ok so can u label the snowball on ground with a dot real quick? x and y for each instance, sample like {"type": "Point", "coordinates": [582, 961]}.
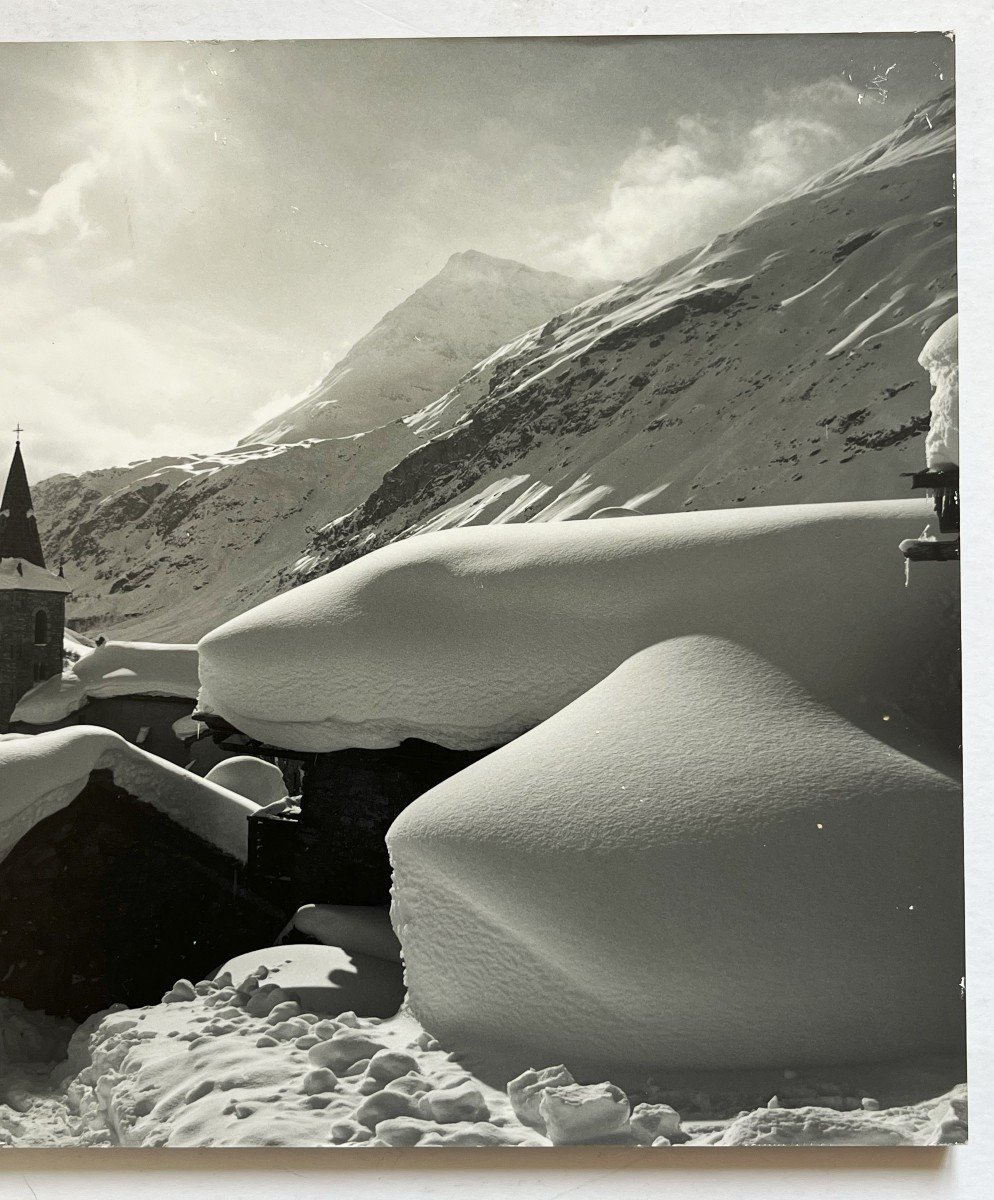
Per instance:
{"type": "Point", "coordinates": [694, 865]}
{"type": "Point", "coordinates": [42, 773]}
{"type": "Point", "coordinates": [259, 781]}
{"type": "Point", "coordinates": [940, 357]}
{"type": "Point", "coordinates": [468, 637]}
{"type": "Point", "coordinates": [113, 669]}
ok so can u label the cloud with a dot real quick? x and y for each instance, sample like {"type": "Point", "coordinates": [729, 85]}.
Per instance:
{"type": "Point", "coordinates": [5, 171]}
{"type": "Point", "coordinates": [668, 196]}
{"type": "Point", "coordinates": [59, 206]}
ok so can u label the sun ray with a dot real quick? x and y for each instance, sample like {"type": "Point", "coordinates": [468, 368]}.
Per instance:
{"type": "Point", "coordinates": [137, 109]}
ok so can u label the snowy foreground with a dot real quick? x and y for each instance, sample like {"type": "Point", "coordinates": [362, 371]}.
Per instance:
{"type": "Point", "coordinates": [236, 1062]}
{"type": "Point", "coordinates": [719, 845]}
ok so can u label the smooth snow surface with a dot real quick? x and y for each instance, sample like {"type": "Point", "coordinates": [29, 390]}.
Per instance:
{"type": "Point", "coordinates": [469, 637]}
{"type": "Point", "coordinates": [940, 357]}
{"type": "Point", "coordinates": [259, 781]}
{"type": "Point", "coordinates": [362, 928]}
{"type": "Point", "coordinates": [75, 645]}
{"type": "Point", "coordinates": [17, 574]}
{"type": "Point", "coordinates": [41, 773]}
{"type": "Point", "coordinates": [113, 669]}
{"type": "Point", "coordinates": [675, 880]}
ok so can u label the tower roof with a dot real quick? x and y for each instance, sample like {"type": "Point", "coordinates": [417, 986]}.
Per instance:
{"type": "Point", "coordinates": [18, 527]}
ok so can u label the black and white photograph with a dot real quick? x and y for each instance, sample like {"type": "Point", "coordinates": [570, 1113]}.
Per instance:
{"type": "Point", "coordinates": [480, 648]}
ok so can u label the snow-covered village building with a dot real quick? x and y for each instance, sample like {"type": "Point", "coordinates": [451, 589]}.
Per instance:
{"type": "Point", "coordinates": [32, 598]}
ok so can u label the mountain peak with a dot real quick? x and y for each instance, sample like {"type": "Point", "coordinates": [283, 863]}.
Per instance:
{"type": "Point", "coordinates": [419, 350]}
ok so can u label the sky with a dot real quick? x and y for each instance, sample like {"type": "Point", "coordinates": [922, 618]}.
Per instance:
{"type": "Point", "coordinates": [191, 234]}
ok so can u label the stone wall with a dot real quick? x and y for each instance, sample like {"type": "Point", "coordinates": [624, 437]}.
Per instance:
{"type": "Point", "coordinates": [23, 663]}
{"type": "Point", "coordinates": [108, 900]}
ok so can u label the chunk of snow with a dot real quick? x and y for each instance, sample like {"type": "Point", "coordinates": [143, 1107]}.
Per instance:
{"type": "Point", "coordinates": [42, 773]}
{"type": "Point", "coordinates": [259, 781]}
{"type": "Point", "coordinates": [578, 1114]}
{"type": "Point", "coordinates": [696, 864]}
{"type": "Point", "coordinates": [112, 669]}
{"type": "Point", "coordinates": [940, 357]}
{"type": "Point", "coordinates": [468, 637]}
{"type": "Point", "coordinates": [937, 1122]}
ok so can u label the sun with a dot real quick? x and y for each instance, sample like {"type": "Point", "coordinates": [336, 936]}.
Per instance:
{"type": "Point", "coordinates": [137, 109]}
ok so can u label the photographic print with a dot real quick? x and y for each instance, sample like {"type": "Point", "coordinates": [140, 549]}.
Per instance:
{"type": "Point", "coordinates": [479, 614]}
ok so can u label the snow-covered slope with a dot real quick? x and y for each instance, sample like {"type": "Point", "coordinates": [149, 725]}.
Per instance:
{"type": "Point", "coordinates": [469, 637]}
{"type": "Point", "coordinates": [165, 548]}
{"type": "Point", "coordinates": [168, 547]}
{"type": "Point", "coordinates": [775, 365]}
{"type": "Point", "coordinates": [421, 348]}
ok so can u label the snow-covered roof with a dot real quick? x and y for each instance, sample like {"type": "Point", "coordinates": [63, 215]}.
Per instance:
{"type": "Point", "coordinates": [695, 864]}
{"type": "Point", "coordinates": [18, 574]}
{"type": "Point", "coordinates": [468, 637]}
{"type": "Point", "coordinates": [41, 773]}
{"type": "Point", "coordinates": [113, 669]}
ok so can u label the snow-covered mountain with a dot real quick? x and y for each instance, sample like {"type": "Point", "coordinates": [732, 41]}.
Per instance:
{"type": "Point", "coordinates": [165, 549]}
{"type": "Point", "coordinates": [777, 364]}
{"type": "Point", "coordinates": [421, 348]}
{"type": "Point", "coordinates": [168, 548]}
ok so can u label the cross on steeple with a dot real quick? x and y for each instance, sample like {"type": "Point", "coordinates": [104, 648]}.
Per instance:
{"type": "Point", "coordinates": [17, 432]}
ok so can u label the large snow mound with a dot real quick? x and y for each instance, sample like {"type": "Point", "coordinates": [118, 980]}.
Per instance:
{"type": "Point", "coordinates": [259, 781]}
{"type": "Point", "coordinates": [42, 773]}
{"type": "Point", "coordinates": [940, 357]}
{"type": "Point", "coordinates": [469, 637]}
{"type": "Point", "coordinates": [112, 669]}
{"type": "Point", "coordinates": [695, 864]}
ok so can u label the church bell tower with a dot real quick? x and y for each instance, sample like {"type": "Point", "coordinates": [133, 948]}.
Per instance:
{"type": "Point", "coordinates": [32, 598]}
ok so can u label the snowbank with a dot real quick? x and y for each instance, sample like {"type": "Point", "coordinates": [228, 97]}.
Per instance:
{"type": "Point", "coordinates": [41, 773]}
{"type": "Point", "coordinates": [113, 669]}
{"type": "Point", "coordinates": [233, 1062]}
{"type": "Point", "coordinates": [469, 637]}
{"type": "Point", "coordinates": [75, 645]}
{"type": "Point", "coordinates": [261, 782]}
{"type": "Point", "coordinates": [722, 873]}
{"type": "Point", "coordinates": [940, 358]}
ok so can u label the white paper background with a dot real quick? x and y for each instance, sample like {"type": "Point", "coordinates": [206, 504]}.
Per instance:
{"type": "Point", "coordinates": [617, 1173]}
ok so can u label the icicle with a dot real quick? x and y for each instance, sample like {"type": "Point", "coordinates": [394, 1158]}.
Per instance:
{"type": "Point", "coordinates": [907, 572]}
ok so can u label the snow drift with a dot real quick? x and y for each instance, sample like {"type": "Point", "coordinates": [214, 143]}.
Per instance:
{"type": "Point", "coordinates": [261, 782]}
{"type": "Point", "coordinates": [940, 358]}
{"type": "Point", "coordinates": [112, 669]}
{"type": "Point", "coordinates": [695, 864]}
{"type": "Point", "coordinates": [469, 637]}
{"type": "Point", "coordinates": [41, 773]}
